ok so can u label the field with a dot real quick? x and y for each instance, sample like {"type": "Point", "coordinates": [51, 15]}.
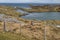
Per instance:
{"type": "Point", "coordinates": [31, 32]}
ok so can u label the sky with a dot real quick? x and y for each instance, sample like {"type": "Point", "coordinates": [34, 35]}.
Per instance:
{"type": "Point", "coordinates": [29, 1]}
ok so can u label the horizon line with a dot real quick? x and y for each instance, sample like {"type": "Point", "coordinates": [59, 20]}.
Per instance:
{"type": "Point", "coordinates": [44, 3]}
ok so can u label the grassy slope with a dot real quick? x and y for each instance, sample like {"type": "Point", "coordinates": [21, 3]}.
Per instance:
{"type": "Point", "coordinates": [10, 11]}
{"type": "Point", "coordinates": [12, 36]}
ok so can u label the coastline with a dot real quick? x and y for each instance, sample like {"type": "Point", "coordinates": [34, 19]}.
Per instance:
{"type": "Point", "coordinates": [18, 28]}
{"type": "Point", "coordinates": [44, 8]}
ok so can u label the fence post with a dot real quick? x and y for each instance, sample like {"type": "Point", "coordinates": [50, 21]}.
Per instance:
{"type": "Point", "coordinates": [4, 27]}
{"type": "Point", "coordinates": [45, 31]}
{"type": "Point", "coordinates": [20, 29]}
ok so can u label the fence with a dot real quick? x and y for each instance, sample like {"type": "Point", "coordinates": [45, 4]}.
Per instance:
{"type": "Point", "coordinates": [32, 31]}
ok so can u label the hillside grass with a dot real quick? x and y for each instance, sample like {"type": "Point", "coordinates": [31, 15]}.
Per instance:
{"type": "Point", "coordinates": [10, 11]}
{"type": "Point", "coordinates": [11, 36]}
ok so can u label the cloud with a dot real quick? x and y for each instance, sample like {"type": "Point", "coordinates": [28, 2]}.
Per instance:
{"type": "Point", "coordinates": [24, 1]}
{"type": "Point", "coordinates": [29, 1]}
{"type": "Point", "coordinates": [41, 1]}
{"type": "Point", "coordinates": [9, 1]}
{"type": "Point", "coordinates": [56, 1]}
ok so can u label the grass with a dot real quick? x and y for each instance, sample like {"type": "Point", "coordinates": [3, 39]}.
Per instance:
{"type": "Point", "coordinates": [12, 36]}
{"type": "Point", "coordinates": [30, 31]}
{"type": "Point", "coordinates": [10, 11]}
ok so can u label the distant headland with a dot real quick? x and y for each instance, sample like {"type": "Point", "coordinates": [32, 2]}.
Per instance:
{"type": "Point", "coordinates": [43, 8]}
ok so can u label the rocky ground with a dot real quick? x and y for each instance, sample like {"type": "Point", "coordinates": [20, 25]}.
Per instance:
{"type": "Point", "coordinates": [36, 30]}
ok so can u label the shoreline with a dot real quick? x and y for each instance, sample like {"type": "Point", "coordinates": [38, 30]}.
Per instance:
{"type": "Point", "coordinates": [44, 8]}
